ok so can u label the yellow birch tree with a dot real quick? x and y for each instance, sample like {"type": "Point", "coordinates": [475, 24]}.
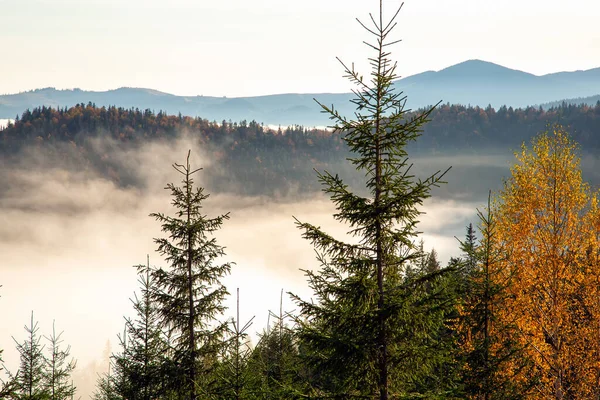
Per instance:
{"type": "Point", "coordinates": [544, 225]}
{"type": "Point", "coordinates": [587, 300]}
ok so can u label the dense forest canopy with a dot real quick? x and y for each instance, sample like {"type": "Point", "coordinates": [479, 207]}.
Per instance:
{"type": "Point", "coordinates": [251, 158]}
{"type": "Point", "coordinates": [457, 126]}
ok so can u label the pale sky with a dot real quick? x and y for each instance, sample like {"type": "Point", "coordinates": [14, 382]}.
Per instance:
{"type": "Point", "coordinates": [254, 47]}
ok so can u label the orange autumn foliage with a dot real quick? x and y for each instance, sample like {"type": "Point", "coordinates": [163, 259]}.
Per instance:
{"type": "Point", "coordinates": [547, 226]}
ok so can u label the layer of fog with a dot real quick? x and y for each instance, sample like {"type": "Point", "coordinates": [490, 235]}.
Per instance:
{"type": "Point", "coordinates": [69, 239]}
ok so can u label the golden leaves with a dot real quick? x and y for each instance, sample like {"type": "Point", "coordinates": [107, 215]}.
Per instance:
{"type": "Point", "coordinates": [548, 226]}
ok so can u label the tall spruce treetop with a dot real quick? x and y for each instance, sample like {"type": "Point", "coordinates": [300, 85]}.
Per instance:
{"type": "Point", "coordinates": [354, 327]}
{"type": "Point", "coordinates": [142, 343]}
{"type": "Point", "coordinates": [59, 369]}
{"type": "Point", "coordinates": [33, 365]}
{"type": "Point", "coordinates": [190, 294]}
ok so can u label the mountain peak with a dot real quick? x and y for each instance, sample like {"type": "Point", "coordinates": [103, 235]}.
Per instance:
{"type": "Point", "coordinates": [476, 62]}
{"type": "Point", "coordinates": [478, 67]}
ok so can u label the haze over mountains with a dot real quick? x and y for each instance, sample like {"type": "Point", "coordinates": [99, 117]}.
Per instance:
{"type": "Point", "coordinates": [473, 82]}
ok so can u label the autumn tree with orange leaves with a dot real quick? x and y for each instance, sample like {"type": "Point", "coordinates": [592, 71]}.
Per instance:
{"type": "Point", "coordinates": [547, 226]}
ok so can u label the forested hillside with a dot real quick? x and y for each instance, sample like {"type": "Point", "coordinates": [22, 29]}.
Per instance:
{"type": "Point", "coordinates": [591, 101]}
{"type": "Point", "coordinates": [249, 158]}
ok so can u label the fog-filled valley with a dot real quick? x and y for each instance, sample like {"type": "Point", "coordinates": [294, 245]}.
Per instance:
{"type": "Point", "coordinates": [69, 240]}
{"type": "Point", "coordinates": [76, 201]}
{"type": "Point", "coordinates": [70, 235]}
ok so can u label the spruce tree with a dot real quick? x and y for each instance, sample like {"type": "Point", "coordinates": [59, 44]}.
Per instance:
{"type": "Point", "coordinates": [32, 368]}
{"type": "Point", "coordinates": [275, 365]}
{"type": "Point", "coordinates": [6, 387]}
{"type": "Point", "coordinates": [140, 360]}
{"type": "Point", "coordinates": [432, 305]}
{"type": "Point", "coordinates": [190, 294]}
{"type": "Point", "coordinates": [114, 383]}
{"type": "Point", "coordinates": [468, 247]}
{"type": "Point", "coordinates": [107, 387]}
{"type": "Point", "coordinates": [433, 265]}
{"type": "Point", "coordinates": [233, 373]}
{"type": "Point", "coordinates": [59, 368]}
{"type": "Point", "coordinates": [492, 355]}
{"type": "Point", "coordinates": [357, 329]}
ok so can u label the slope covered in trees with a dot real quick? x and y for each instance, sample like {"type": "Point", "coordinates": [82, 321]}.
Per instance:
{"type": "Point", "coordinates": [249, 158]}
{"type": "Point", "coordinates": [590, 101]}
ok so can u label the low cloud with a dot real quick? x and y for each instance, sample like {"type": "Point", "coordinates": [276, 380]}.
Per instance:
{"type": "Point", "coordinates": [69, 238]}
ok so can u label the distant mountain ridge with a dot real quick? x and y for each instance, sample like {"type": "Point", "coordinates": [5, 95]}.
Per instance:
{"type": "Point", "coordinates": [590, 101]}
{"type": "Point", "coordinates": [472, 82]}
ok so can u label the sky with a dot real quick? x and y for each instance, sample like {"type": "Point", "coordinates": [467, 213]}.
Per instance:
{"type": "Point", "coordinates": [255, 47]}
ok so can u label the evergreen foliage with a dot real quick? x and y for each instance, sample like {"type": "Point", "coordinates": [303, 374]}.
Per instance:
{"type": "Point", "coordinates": [468, 247]}
{"type": "Point", "coordinates": [492, 355]}
{"type": "Point", "coordinates": [358, 332]}
{"type": "Point", "coordinates": [250, 158]}
{"type": "Point", "coordinates": [143, 344]}
{"type": "Point", "coordinates": [189, 294]}
{"type": "Point", "coordinates": [233, 372]}
{"type": "Point", "coordinates": [277, 369]}
{"type": "Point", "coordinates": [58, 369]}
{"type": "Point", "coordinates": [516, 317]}
{"type": "Point", "coordinates": [434, 297]}
{"type": "Point", "coordinates": [109, 386]}
{"type": "Point", "coordinates": [32, 370]}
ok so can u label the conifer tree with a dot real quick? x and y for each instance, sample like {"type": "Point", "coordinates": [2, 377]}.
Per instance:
{"type": "Point", "coordinates": [118, 368]}
{"type": "Point", "coordinates": [59, 368]}
{"type": "Point", "coordinates": [276, 369]}
{"type": "Point", "coordinates": [233, 373]}
{"type": "Point", "coordinates": [106, 386]}
{"type": "Point", "coordinates": [432, 305]}
{"type": "Point", "coordinates": [32, 368]}
{"type": "Point", "coordinates": [190, 293]}
{"type": "Point", "coordinates": [356, 327]}
{"type": "Point", "coordinates": [140, 360]}
{"type": "Point", "coordinates": [433, 265]}
{"type": "Point", "coordinates": [493, 357]}
{"type": "Point", "coordinates": [8, 388]}
{"type": "Point", "coordinates": [114, 383]}
{"type": "Point", "coordinates": [468, 247]}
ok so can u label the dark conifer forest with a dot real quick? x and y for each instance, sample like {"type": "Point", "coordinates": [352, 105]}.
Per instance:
{"type": "Point", "coordinates": [252, 159]}
{"type": "Point", "coordinates": [514, 314]}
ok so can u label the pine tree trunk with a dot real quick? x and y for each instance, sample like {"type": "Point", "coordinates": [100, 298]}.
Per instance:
{"type": "Point", "coordinates": [383, 372]}
{"type": "Point", "coordinates": [146, 332]}
{"type": "Point", "coordinates": [192, 338]}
